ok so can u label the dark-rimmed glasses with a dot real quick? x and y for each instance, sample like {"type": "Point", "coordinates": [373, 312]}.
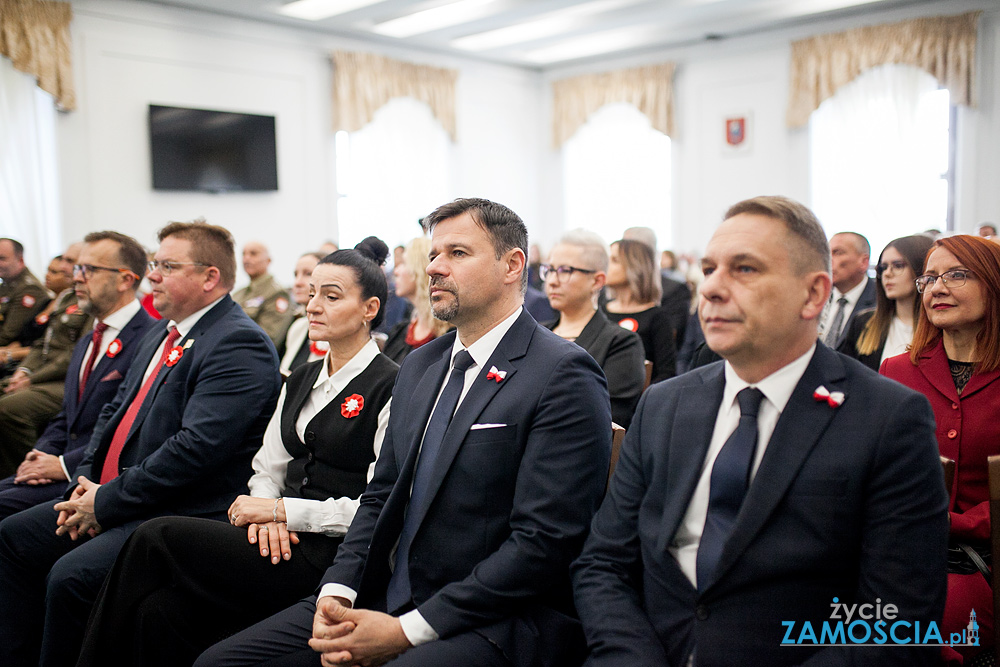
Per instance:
{"type": "Point", "coordinates": [897, 266]}
{"type": "Point", "coordinates": [953, 278]}
{"type": "Point", "coordinates": [87, 270]}
{"type": "Point", "coordinates": [167, 267]}
{"type": "Point", "coordinates": [561, 272]}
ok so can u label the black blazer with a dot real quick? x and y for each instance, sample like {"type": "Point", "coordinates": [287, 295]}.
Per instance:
{"type": "Point", "coordinates": [849, 345]}
{"type": "Point", "coordinates": [513, 501]}
{"type": "Point", "coordinates": [848, 502]}
{"type": "Point", "coordinates": [620, 355]}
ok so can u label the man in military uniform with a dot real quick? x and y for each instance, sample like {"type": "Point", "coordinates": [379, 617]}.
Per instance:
{"type": "Point", "coordinates": [264, 300]}
{"type": "Point", "coordinates": [34, 393]}
{"type": "Point", "coordinates": [22, 296]}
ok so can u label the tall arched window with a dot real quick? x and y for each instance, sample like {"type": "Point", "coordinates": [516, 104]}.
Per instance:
{"type": "Point", "coordinates": [616, 174]}
{"type": "Point", "coordinates": [391, 173]}
{"type": "Point", "coordinates": [880, 156]}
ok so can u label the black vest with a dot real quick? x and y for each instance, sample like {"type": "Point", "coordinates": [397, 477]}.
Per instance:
{"type": "Point", "coordinates": [333, 461]}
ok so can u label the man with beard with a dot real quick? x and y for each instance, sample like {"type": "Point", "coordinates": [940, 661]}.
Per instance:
{"type": "Point", "coordinates": [459, 553]}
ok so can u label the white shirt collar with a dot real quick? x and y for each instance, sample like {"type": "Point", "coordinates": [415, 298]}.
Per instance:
{"type": "Point", "coordinates": [483, 349]}
{"type": "Point", "coordinates": [184, 326]}
{"type": "Point", "coordinates": [852, 295]}
{"type": "Point", "coordinates": [121, 317]}
{"type": "Point", "coordinates": [359, 362]}
{"type": "Point", "coordinates": [776, 387]}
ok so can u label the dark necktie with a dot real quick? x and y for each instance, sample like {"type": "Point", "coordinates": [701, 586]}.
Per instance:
{"type": "Point", "coordinates": [110, 469]}
{"type": "Point", "coordinates": [728, 486]}
{"type": "Point", "coordinates": [399, 593]}
{"type": "Point", "coordinates": [833, 333]}
{"type": "Point", "coordinates": [95, 349]}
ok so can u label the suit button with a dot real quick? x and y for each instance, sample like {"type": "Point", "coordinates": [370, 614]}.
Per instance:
{"type": "Point", "coordinates": [310, 436]}
{"type": "Point", "coordinates": [954, 406]}
{"type": "Point", "coordinates": [701, 612]}
{"type": "Point", "coordinates": [952, 434]}
{"type": "Point", "coordinates": [305, 481]}
{"type": "Point", "coordinates": [310, 456]}
{"type": "Point", "coordinates": [72, 436]}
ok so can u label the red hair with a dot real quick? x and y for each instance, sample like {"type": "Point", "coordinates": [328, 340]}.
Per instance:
{"type": "Point", "coordinates": [982, 258]}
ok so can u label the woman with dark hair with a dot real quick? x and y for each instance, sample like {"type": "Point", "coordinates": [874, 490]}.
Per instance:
{"type": "Point", "coordinates": [635, 279]}
{"type": "Point", "coordinates": [180, 584]}
{"type": "Point", "coordinates": [954, 361]}
{"type": "Point", "coordinates": [297, 349]}
{"type": "Point", "coordinates": [876, 334]}
{"type": "Point", "coordinates": [412, 284]}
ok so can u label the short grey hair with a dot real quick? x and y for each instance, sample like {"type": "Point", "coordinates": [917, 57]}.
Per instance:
{"type": "Point", "coordinates": [595, 251]}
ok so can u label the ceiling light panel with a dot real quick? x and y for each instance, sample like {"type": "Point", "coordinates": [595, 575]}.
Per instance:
{"type": "Point", "coordinates": [316, 10]}
{"type": "Point", "coordinates": [435, 18]}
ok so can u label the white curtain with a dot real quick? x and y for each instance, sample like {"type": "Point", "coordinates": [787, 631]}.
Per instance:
{"type": "Point", "coordinates": [616, 175]}
{"type": "Point", "coordinates": [29, 188]}
{"type": "Point", "coordinates": [391, 173]}
{"type": "Point", "coordinates": [879, 148]}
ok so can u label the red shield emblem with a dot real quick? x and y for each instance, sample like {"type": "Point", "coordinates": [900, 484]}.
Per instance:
{"type": "Point", "coordinates": [736, 130]}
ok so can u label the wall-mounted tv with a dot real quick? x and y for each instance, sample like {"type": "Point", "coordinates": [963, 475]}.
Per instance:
{"type": "Point", "coordinates": [211, 151]}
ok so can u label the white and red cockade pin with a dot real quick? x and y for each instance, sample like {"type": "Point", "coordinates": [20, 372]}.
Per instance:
{"type": "Point", "coordinates": [27, 301]}
{"type": "Point", "coordinates": [352, 405]}
{"type": "Point", "coordinates": [318, 348]}
{"type": "Point", "coordinates": [833, 398]}
{"type": "Point", "coordinates": [629, 323]}
{"type": "Point", "coordinates": [114, 348]}
{"type": "Point", "coordinates": [174, 356]}
{"type": "Point", "coordinates": [496, 374]}
{"type": "Point", "coordinates": [72, 309]}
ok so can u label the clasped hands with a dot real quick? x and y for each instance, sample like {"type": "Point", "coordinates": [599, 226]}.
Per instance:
{"type": "Point", "coordinates": [258, 516]}
{"type": "Point", "coordinates": [76, 515]}
{"type": "Point", "coordinates": [357, 637]}
{"type": "Point", "coordinates": [39, 468]}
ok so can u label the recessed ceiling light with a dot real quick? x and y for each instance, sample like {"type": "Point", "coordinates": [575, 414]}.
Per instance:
{"type": "Point", "coordinates": [553, 23]}
{"type": "Point", "coordinates": [434, 18]}
{"type": "Point", "coordinates": [315, 10]}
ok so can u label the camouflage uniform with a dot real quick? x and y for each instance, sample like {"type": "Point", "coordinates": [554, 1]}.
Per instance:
{"type": "Point", "coordinates": [21, 298]}
{"type": "Point", "coordinates": [268, 304]}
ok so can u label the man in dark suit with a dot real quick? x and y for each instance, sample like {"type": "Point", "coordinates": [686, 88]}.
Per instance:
{"type": "Point", "coordinates": [765, 489]}
{"type": "Point", "coordinates": [177, 439]}
{"type": "Point", "coordinates": [853, 291]}
{"type": "Point", "coordinates": [467, 529]}
{"type": "Point", "coordinates": [105, 280]}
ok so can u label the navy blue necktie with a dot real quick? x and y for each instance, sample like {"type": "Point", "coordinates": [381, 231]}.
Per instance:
{"type": "Point", "coordinates": [728, 486]}
{"type": "Point", "coordinates": [399, 593]}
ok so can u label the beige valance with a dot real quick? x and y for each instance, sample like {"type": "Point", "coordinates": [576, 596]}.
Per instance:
{"type": "Point", "coordinates": [35, 36]}
{"type": "Point", "coordinates": [649, 88]}
{"type": "Point", "coordinates": [364, 82]}
{"type": "Point", "coordinates": [944, 46]}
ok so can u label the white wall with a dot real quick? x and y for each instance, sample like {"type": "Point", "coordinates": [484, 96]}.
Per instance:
{"type": "Point", "coordinates": [751, 74]}
{"type": "Point", "coordinates": [129, 54]}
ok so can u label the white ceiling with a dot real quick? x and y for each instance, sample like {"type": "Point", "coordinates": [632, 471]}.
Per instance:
{"type": "Point", "coordinates": [547, 33]}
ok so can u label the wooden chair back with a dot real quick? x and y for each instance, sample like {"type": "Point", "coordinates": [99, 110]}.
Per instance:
{"type": "Point", "coordinates": [994, 480]}
{"type": "Point", "coordinates": [949, 473]}
{"type": "Point", "coordinates": [648, 366]}
{"type": "Point", "coordinates": [617, 435]}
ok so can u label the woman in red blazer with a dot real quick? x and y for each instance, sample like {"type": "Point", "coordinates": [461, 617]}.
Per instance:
{"type": "Point", "coordinates": [955, 361]}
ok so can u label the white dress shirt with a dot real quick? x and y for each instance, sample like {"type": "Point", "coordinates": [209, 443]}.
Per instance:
{"type": "Point", "coordinates": [184, 327]}
{"type": "Point", "coordinates": [900, 335]}
{"type": "Point", "coordinates": [332, 516]}
{"type": "Point", "coordinates": [777, 389]}
{"type": "Point", "coordinates": [417, 630]}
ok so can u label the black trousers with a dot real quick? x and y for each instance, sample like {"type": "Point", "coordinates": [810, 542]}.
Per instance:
{"type": "Point", "coordinates": [182, 584]}
{"type": "Point", "coordinates": [281, 641]}
{"type": "Point", "coordinates": [16, 498]}
{"type": "Point", "coordinates": [47, 586]}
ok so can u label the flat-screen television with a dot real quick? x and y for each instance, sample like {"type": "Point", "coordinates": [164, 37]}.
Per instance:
{"type": "Point", "coordinates": [212, 151]}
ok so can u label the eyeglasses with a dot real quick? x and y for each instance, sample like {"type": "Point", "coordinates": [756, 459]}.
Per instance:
{"type": "Point", "coordinates": [166, 267]}
{"type": "Point", "coordinates": [87, 270]}
{"type": "Point", "coordinates": [561, 272]}
{"type": "Point", "coordinates": [897, 266]}
{"type": "Point", "coordinates": [953, 278]}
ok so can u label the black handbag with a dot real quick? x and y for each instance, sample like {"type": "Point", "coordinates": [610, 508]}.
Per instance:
{"type": "Point", "coordinates": [968, 558]}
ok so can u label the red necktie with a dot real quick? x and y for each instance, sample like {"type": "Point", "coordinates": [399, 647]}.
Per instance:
{"type": "Point", "coordinates": [95, 349]}
{"type": "Point", "coordinates": [110, 469]}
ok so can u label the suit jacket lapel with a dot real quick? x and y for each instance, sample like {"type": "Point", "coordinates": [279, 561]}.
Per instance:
{"type": "Point", "coordinates": [801, 425]}
{"type": "Point", "coordinates": [512, 346]}
{"type": "Point", "coordinates": [690, 434]}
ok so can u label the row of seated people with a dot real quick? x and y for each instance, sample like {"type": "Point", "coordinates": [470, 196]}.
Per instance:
{"type": "Point", "coordinates": [472, 517]}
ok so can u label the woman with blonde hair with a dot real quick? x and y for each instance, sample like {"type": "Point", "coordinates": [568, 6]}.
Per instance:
{"type": "Point", "coordinates": [411, 284]}
{"type": "Point", "coordinates": [635, 278]}
{"type": "Point", "coordinates": [876, 334]}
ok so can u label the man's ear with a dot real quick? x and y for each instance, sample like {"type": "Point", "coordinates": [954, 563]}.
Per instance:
{"type": "Point", "coordinates": [516, 265]}
{"type": "Point", "coordinates": [600, 279]}
{"type": "Point", "coordinates": [818, 285]}
{"type": "Point", "coordinates": [212, 278]}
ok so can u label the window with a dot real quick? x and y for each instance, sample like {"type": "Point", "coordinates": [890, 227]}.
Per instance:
{"type": "Point", "coordinates": [880, 162]}
{"type": "Point", "coordinates": [616, 175]}
{"type": "Point", "coordinates": [391, 173]}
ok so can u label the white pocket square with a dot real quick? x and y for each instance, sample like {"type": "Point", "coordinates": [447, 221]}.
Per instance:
{"type": "Point", "coordinates": [480, 427]}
